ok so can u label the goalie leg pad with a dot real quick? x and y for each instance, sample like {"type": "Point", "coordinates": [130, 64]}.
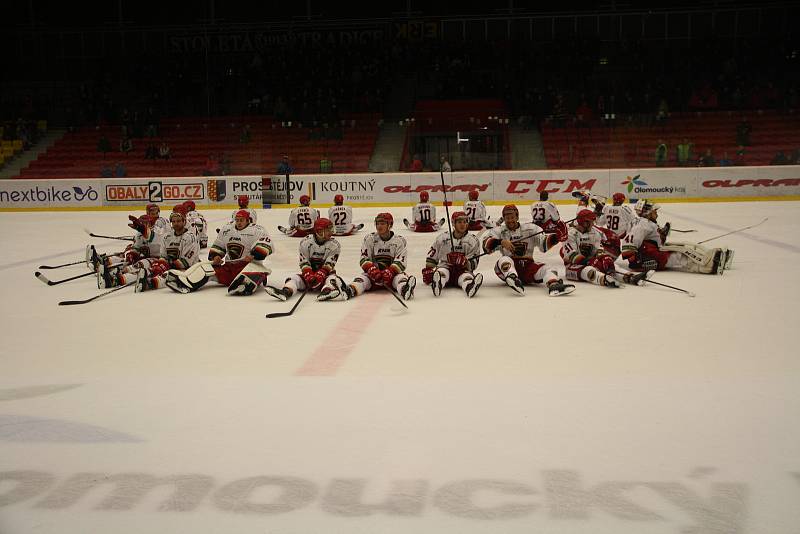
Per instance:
{"type": "Point", "coordinates": [697, 258]}
{"type": "Point", "coordinates": [189, 280]}
{"type": "Point", "coordinates": [246, 283]}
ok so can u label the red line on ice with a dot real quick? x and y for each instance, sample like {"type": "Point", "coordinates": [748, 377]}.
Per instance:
{"type": "Point", "coordinates": [331, 354]}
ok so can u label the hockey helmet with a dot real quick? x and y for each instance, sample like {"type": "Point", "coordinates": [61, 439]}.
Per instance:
{"type": "Point", "coordinates": [618, 198]}
{"type": "Point", "coordinates": [322, 224]}
{"type": "Point", "coordinates": [243, 213]}
{"type": "Point", "coordinates": [190, 205]}
{"type": "Point", "coordinates": [338, 200]}
{"type": "Point", "coordinates": [385, 217]}
{"type": "Point", "coordinates": [459, 215]}
{"type": "Point", "coordinates": [473, 195]}
{"type": "Point", "coordinates": [648, 207]}
{"type": "Point", "coordinates": [152, 205]}
{"type": "Point", "coordinates": [244, 201]}
{"type": "Point", "coordinates": [305, 200]}
{"type": "Point", "coordinates": [586, 216]}
{"type": "Point", "coordinates": [177, 213]}
{"type": "Point", "coordinates": [424, 196]}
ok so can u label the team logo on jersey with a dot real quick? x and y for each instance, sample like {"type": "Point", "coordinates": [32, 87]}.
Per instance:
{"type": "Point", "coordinates": [216, 190]}
{"type": "Point", "coordinates": [235, 250]}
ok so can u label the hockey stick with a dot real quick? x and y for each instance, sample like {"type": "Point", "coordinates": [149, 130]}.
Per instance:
{"type": "Point", "coordinates": [286, 314]}
{"type": "Point", "coordinates": [72, 302]}
{"type": "Point", "coordinates": [62, 265]}
{"type": "Point", "coordinates": [44, 279]}
{"type": "Point", "coordinates": [649, 281]}
{"type": "Point", "coordinates": [121, 238]}
{"type": "Point", "coordinates": [733, 232]}
{"type": "Point", "coordinates": [395, 295]}
{"type": "Point", "coordinates": [681, 231]}
{"type": "Point", "coordinates": [447, 210]}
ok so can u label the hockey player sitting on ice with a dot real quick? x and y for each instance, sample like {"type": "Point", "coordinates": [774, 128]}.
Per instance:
{"type": "Point", "coordinates": [645, 248]}
{"type": "Point", "coordinates": [161, 223]}
{"type": "Point", "coordinates": [176, 249]}
{"type": "Point", "coordinates": [585, 258]}
{"type": "Point", "coordinates": [614, 221]}
{"type": "Point", "coordinates": [244, 202]}
{"type": "Point", "coordinates": [516, 266]}
{"type": "Point", "coordinates": [319, 253]}
{"type": "Point", "coordinates": [452, 262]}
{"type": "Point", "coordinates": [146, 244]}
{"type": "Point", "coordinates": [342, 218]}
{"type": "Point", "coordinates": [235, 260]}
{"type": "Point", "coordinates": [476, 213]}
{"type": "Point", "coordinates": [196, 222]}
{"type": "Point", "coordinates": [545, 215]}
{"type": "Point", "coordinates": [383, 260]}
{"type": "Point", "coordinates": [424, 215]}
{"type": "Point", "coordinates": [301, 219]}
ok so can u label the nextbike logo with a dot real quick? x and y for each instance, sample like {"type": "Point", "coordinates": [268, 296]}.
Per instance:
{"type": "Point", "coordinates": [636, 185]}
{"type": "Point", "coordinates": [50, 195]}
{"type": "Point", "coordinates": [790, 182]}
{"type": "Point", "coordinates": [154, 192]}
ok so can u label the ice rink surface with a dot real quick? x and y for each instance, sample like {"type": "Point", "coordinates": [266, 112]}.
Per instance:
{"type": "Point", "coordinates": [606, 411]}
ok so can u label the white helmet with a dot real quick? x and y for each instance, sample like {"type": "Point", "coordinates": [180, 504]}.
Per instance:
{"type": "Point", "coordinates": [646, 207]}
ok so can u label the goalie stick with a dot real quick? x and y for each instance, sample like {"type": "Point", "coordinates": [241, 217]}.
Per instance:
{"type": "Point", "coordinates": [287, 314]}
{"type": "Point", "coordinates": [73, 302]}
{"type": "Point", "coordinates": [734, 231]}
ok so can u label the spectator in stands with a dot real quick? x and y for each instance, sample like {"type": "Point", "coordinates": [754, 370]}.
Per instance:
{"type": "Point", "coordinates": [164, 151]}
{"type": "Point", "coordinates": [120, 171]}
{"type": "Point", "coordinates": [245, 136]}
{"type": "Point", "coordinates": [583, 114]}
{"type": "Point", "coordinates": [125, 145]}
{"type": "Point", "coordinates": [684, 152]}
{"type": "Point", "coordinates": [661, 153]}
{"type": "Point", "coordinates": [662, 111]}
{"type": "Point", "coordinates": [444, 164]}
{"type": "Point", "coordinates": [106, 171]}
{"type": "Point", "coordinates": [104, 146]}
{"type": "Point", "coordinates": [285, 167]}
{"type": "Point", "coordinates": [325, 164]}
{"type": "Point", "coordinates": [707, 159]}
{"type": "Point", "coordinates": [780, 159]}
{"type": "Point", "coordinates": [212, 166]}
{"type": "Point", "coordinates": [416, 164]}
{"type": "Point", "coordinates": [743, 130]}
{"type": "Point", "coordinates": [725, 161]}
{"type": "Point", "coordinates": [741, 155]}
{"type": "Point", "coordinates": [150, 152]}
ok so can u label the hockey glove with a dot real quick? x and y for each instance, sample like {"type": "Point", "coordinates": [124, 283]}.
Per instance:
{"type": "Point", "coordinates": [308, 277]}
{"type": "Point", "coordinates": [388, 276]}
{"type": "Point", "coordinates": [159, 267]}
{"type": "Point", "coordinates": [136, 224]}
{"type": "Point", "coordinates": [427, 275]}
{"type": "Point", "coordinates": [319, 278]}
{"type": "Point", "coordinates": [457, 259]}
{"type": "Point", "coordinates": [375, 275]}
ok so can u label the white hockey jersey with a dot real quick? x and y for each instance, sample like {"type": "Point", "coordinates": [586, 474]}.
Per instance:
{"type": "Point", "coordinates": [150, 247]}
{"type": "Point", "coordinates": [234, 244]}
{"type": "Point", "coordinates": [468, 245]}
{"type": "Point", "coordinates": [252, 212]}
{"type": "Point", "coordinates": [581, 244]}
{"type": "Point", "coordinates": [475, 210]}
{"type": "Point", "coordinates": [643, 230]}
{"type": "Point", "coordinates": [384, 252]}
{"type": "Point", "coordinates": [162, 225]}
{"type": "Point", "coordinates": [303, 217]}
{"type": "Point", "coordinates": [544, 211]}
{"type": "Point", "coordinates": [424, 213]}
{"type": "Point", "coordinates": [342, 218]}
{"type": "Point", "coordinates": [196, 222]}
{"type": "Point", "coordinates": [618, 219]}
{"type": "Point", "coordinates": [181, 251]}
{"type": "Point", "coordinates": [315, 255]}
{"type": "Point", "coordinates": [526, 237]}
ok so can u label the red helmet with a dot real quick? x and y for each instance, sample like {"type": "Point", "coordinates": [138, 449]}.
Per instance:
{"type": "Point", "coordinates": [243, 213]}
{"type": "Point", "coordinates": [152, 205]}
{"type": "Point", "coordinates": [321, 224]}
{"type": "Point", "coordinates": [424, 196]}
{"type": "Point", "coordinates": [338, 200]}
{"type": "Point", "coordinates": [473, 195]}
{"type": "Point", "coordinates": [510, 207]}
{"type": "Point", "coordinates": [190, 205]}
{"type": "Point", "coordinates": [180, 208]}
{"type": "Point", "coordinates": [305, 200]}
{"type": "Point", "coordinates": [385, 217]}
{"type": "Point", "coordinates": [244, 200]}
{"type": "Point", "coordinates": [585, 216]}
{"type": "Point", "coordinates": [459, 215]}
{"type": "Point", "coordinates": [618, 198]}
